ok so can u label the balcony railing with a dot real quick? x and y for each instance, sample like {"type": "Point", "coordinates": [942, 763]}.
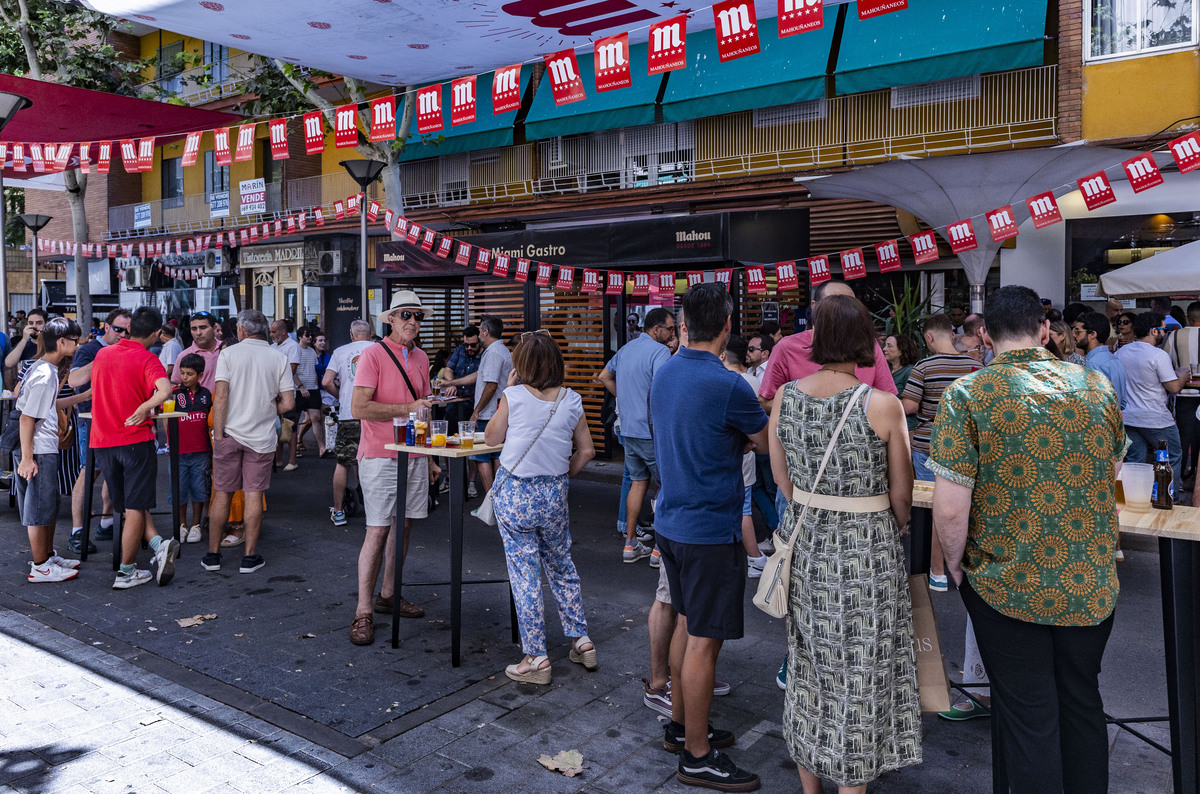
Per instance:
{"type": "Point", "coordinates": [188, 214]}
{"type": "Point", "coordinates": [206, 83]}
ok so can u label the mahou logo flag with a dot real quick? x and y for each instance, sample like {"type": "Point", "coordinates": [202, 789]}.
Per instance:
{"type": "Point", "coordinates": [339, 210]}
{"type": "Point", "coordinates": [695, 277]}
{"type": "Point", "coordinates": [591, 281]}
{"type": "Point", "coordinates": [641, 284]}
{"type": "Point", "coordinates": [924, 246]}
{"type": "Point", "coordinates": [444, 247]}
{"type": "Point", "coordinates": [483, 260]}
{"type": "Point", "coordinates": [888, 254]}
{"type": "Point", "coordinates": [429, 109]}
{"type": "Point", "coordinates": [566, 278]}
{"type": "Point", "coordinates": [1043, 209]}
{"type": "Point", "coordinates": [799, 16]}
{"type": "Point", "coordinates": [462, 101]}
{"type": "Point", "coordinates": [191, 148]}
{"type": "Point", "coordinates": [725, 276]}
{"type": "Point", "coordinates": [501, 267]}
{"type": "Point", "coordinates": [543, 274]}
{"type": "Point", "coordinates": [756, 278]}
{"type": "Point", "coordinates": [506, 89]}
{"type": "Point", "coordinates": [786, 276]}
{"type": "Point", "coordinates": [314, 133]}
{"type": "Point", "coordinates": [373, 211]}
{"type": "Point", "coordinates": [463, 255]}
{"type": "Point", "coordinates": [668, 45]}
{"type": "Point", "coordinates": [666, 288]}
{"type": "Point", "coordinates": [345, 130]}
{"type": "Point", "coordinates": [873, 8]}
{"type": "Point", "coordinates": [1096, 190]}
{"type": "Point", "coordinates": [103, 158]}
{"type": "Point", "coordinates": [388, 217]}
{"type": "Point", "coordinates": [401, 228]}
{"type": "Point", "coordinates": [146, 154]}
{"type": "Point", "coordinates": [277, 128]}
{"type": "Point", "coordinates": [128, 156]}
{"type": "Point", "coordinates": [253, 234]}
{"type": "Point", "coordinates": [1186, 151]}
{"type": "Point", "coordinates": [565, 82]}
{"type": "Point", "coordinates": [427, 239]}
{"type": "Point", "coordinates": [736, 28]}
{"type": "Point", "coordinates": [318, 217]}
{"type": "Point", "coordinates": [85, 158]}
{"type": "Point", "coordinates": [244, 149]}
{"type": "Point", "coordinates": [612, 63]}
{"type": "Point", "coordinates": [414, 234]}
{"type": "Point", "coordinates": [615, 282]}
{"type": "Point", "coordinates": [291, 224]}
{"type": "Point", "coordinates": [522, 273]}
{"type": "Point", "coordinates": [220, 146]}
{"type": "Point", "coordinates": [39, 159]}
{"type": "Point", "coordinates": [962, 236]}
{"type": "Point", "coordinates": [1143, 172]}
{"type": "Point", "coordinates": [383, 118]}
{"type": "Point", "coordinates": [853, 263]}
{"type": "Point", "coordinates": [818, 269]}
{"type": "Point", "coordinates": [1001, 224]}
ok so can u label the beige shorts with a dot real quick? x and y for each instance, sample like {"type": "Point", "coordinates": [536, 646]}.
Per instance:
{"type": "Point", "coordinates": [663, 593]}
{"type": "Point", "coordinates": [377, 476]}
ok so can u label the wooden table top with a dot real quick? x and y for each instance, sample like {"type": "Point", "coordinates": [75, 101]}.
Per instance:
{"type": "Point", "coordinates": [445, 452]}
{"type": "Point", "coordinates": [171, 415]}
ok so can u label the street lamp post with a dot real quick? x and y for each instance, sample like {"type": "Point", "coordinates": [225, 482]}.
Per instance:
{"type": "Point", "coordinates": [10, 105]}
{"type": "Point", "coordinates": [35, 223]}
{"type": "Point", "coordinates": [364, 172]}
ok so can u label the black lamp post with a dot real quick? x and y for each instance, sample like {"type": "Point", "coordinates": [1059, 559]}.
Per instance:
{"type": "Point", "coordinates": [10, 105]}
{"type": "Point", "coordinates": [364, 172]}
{"type": "Point", "coordinates": [35, 223]}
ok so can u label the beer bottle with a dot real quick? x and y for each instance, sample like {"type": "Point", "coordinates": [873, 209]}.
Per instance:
{"type": "Point", "coordinates": [1162, 495]}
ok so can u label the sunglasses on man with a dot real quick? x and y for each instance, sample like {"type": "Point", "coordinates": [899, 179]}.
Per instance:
{"type": "Point", "coordinates": [406, 315]}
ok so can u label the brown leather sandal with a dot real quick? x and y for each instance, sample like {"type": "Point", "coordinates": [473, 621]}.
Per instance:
{"type": "Point", "coordinates": [362, 630]}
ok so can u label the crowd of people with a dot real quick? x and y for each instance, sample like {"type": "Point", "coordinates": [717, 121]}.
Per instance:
{"type": "Point", "coordinates": [733, 445]}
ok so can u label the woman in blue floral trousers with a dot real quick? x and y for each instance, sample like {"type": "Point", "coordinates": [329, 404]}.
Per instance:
{"type": "Point", "coordinates": [539, 421]}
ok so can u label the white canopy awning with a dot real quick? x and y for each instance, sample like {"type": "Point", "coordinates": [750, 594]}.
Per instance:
{"type": "Point", "coordinates": [1174, 272]}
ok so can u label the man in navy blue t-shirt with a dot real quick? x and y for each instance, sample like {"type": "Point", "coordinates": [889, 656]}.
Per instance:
{"type": "Point", "coordinates": [703, 415]}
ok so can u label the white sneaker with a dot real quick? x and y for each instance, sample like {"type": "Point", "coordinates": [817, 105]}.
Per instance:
{"type": "Point", "coordinates": [124, 582]}
{"type": "Point", "coordinates": [767, 546]}
{"type": "Point", "coordinates": [756, 565]}
{"type": "Point", "coordinates": [63, 562]}
{"type": "Point", "coordinates": [472, 491]}
{"type": "Point", "coordinates": [50, 571]}
{"type": "Point", "coordinates": [192, 535]}
{"type": "Point", "coordinates": [164, 561]}
{"type": "Point", "coordinates": [635, 552]}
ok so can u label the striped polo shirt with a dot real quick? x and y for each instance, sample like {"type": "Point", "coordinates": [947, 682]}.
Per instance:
{"type": "Point", "coordinates": [929, 379]}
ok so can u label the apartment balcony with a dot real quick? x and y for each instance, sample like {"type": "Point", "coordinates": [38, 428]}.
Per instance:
{"type": "Point", "coordinates": [206, 83]}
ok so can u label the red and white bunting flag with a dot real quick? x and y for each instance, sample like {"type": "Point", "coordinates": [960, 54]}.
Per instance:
{"type": "Point", "coordinates": [1143, 172]}
{"type": "Point", "coordinates": [522, 273]}
{"type": "Point", "coordinates": [615, 282]}
{"type": "Point", "coordinates": [483, 259]}
{"type": "Point", "coordinates": [4, 156]}
{"type": "Point", "coordinates": [302, 220]}
{"type": "Point", "coordinates": [243, 150]}
{"type": "Point", "coordinates": [277, 129]}
{"type": "Point", "coordinates": [566, 278]}
{"type": "Point", "coordinates": [666, 289]}
{"type": "Point", "coordinates": [85, 158]}
{"type": "Point", "coordinates": [786, 276]}
{"type": "Point", "coordinates": [799, 16]}
{"type": "Point", "coordinates": [414, 234]}
{"type": "Point", "coordinates": [1186, 151]}
{"type": "Point", "coordinates": [111, 250]}
{"type": "Point", "coordinates": [724, 275]}
{"type": "Point", "coordinates": [373, 212]}
{"type": "Point", "coordinates": [854, 264]}
{"type": "Point", "coordinates": [345, 127]}
{"type": "Point", "coordinates": [641, 284]}
{"type": "Point", "coordinates": [278, 227]}
{"type": "Point", "coordinates": [339, 210]}
{"type": "Point", "coordinates": [401, 228]}
{"type": "Point", "coordinates": [591, 281]}
{"type": "Point", "coordinates": [1096, 190]}
{"type": "Point", "coordinates": [756, 278]}
{"type": "Point", "coordinates": [668, 45]}
{"type": "Point", "coordinates": [543, 274]}
{"type": "Point", "coordinates": [104, 157]}
{"type": "Point", "coordinates": [462, 101]}
{"type": "Point", "coordinates": [314, 133]}
{"type": "Point", "coordinates": [1043, 209]}
{"type": "Point", "coordinates": [38, 157]}
{"type": "Point", "coordinates": [925, 247]}
{"type": "Point", "coordinates": [388, 217]}
{"type": "Point", "coordinates": [221, 146]}
{"type": "Point", "coordinates": [291, 224]}
{"type": "Point", "coordinates": [506, 89]}
{"type": "Point", "coordinates": [220, 241]}
{"type": "Point", "coordinates": [427, 239]}
{"type": "Point", "coordinates": [354, 204]}
{"type": "Point", "coordinates": [429, 108]}
{"type": "Point", "coordinates": [141, 248]}
{"type": "Point", "coordinates": [129, 156]}
{"type": "Point", "coordinates": [191, 148]}
{"type": "Point", "coordinates": [463, 255]}
{"type": "Point", "coordinates": [565, 83]}
{"type": "Point", "coordinates": [191, 246]}
{"type": "Point", "coordinates": [383, 118]}
{"type": "Point", "coordinates": [207, 242]}
{"type": "Point", "coordinates": [874, 8]}
{"type": "Point", "coordinates": [127, 250]}
{"type": "Point", "coordinates": [18, 157]}
{"type": "Point", "coordinates": [962, 236]}
{"type": "Point", "coordinates": [233, 241]}
{"type": "Point", "coordinates": [736, 29]}
{"type": "Point", "coordinates": [266, 231]}
{"type": "Point", "coordinates": [318, 217]}
{"type": "Point", "coordinates": [253, 234]}
{"type": "Point", "coordinates": [1001, 223]}
{"type": "Point", "coordinates": [146, 154]}
{"type": "Point", "coordinates": [888, 254]}
{"type": "Point", "coordinates": [818, 269]}
{"type": "Point", "coordinates": [695, 277]}
{"type": "Point", "coordinates": [501, 266]}
{"type": "Point", "coordinates": [612, 62]}
{"type": "Point", "coordinates": [445, 245]}
{"type": "Point", "coordinates": [64, 156]}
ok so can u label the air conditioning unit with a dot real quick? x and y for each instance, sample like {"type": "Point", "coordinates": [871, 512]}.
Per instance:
{"type": "Point", "coordinates": [331, 263]}
{"type": "Point", "coordinates": [214, 263]}
{"type": "Point", "coordinates": [136, 277]}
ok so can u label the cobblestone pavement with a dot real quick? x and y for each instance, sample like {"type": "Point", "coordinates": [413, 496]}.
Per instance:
{"type": "Point", "coordinates": [103, 691]}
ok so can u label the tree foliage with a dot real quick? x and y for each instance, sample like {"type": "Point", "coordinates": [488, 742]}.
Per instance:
{"type": "Point", "coordinates": [66, 44]}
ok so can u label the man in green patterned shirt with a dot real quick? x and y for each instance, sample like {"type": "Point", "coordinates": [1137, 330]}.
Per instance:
{"type": "Point", "coordinates": [1025, 454]}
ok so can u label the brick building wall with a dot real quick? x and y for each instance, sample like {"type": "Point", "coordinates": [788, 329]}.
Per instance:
{"type": "Point", "coordinates": [1070, 69]}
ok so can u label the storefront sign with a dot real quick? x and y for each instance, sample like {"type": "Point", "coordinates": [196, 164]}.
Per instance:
{"type": "Point", "coordinates": [218, 204]}
{"type": "Point", "coordinates": [253, 196]}
{"type": "Point", "coordinates": [291, 254]}
{"type": "Point", "coordinates": [142, 216]}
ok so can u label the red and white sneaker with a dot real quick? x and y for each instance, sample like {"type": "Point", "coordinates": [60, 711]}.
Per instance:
{"type": "Point", "coordinates": [63, 562]}
{"type": "Point", "coordinates": [50, 572]}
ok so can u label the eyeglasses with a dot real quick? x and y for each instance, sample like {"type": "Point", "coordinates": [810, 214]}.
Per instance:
{"type": "Point", "coordinates": [406, 315]}
{"type": "Point", "coordinates": [753, 349]}
{"type": "Point", "coordinates": [74, 339]}
{"type": "Point", "coordinates": [1124, 322]}
{"type": "Point", "coordinates": [119, 330]}
{"type": "Point", "coordinates": [539, 332]}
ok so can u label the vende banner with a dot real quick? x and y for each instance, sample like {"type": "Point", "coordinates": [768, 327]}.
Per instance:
{"type": "Point", "coordinates": [612, 62]}
{"type": "Point", "coordinates": [888, 254]}
{"type": "Point", "coordinates": [565, 83]}
{"type": "Point", "coordinates": [483, 259]}
{"type": "Point", "coordinates": [591, 281]}
{"type": "Point", "coordinates": [345, 130]}
{"type": "Point", "coordinates": [543, 274]}
{"type": "Point", "coordinates": [818, 269]}
{"type": "Point", "coordinates": [786, 276]}
{"type": "Point", "coordinates": [522, 270]}
{"type": "Point", "coordinates": [429, 109]}
{"type": "Point", "coordinates": [566, 278]}
{"type": "Point", "coordinates": [615, 282]}
{"type": "Point", "coordinates": [314, 133]}
{"type": "Point", "coordinates": [244, 150]}
{"type": "Point", "coordinates": [736, 29]}
{"type": "Point", "coordinates": [501, 266]}
{"type": "Point", "coordinates": [1001, 223]}
{"type": "Point", "coordinates": [1186, 151]}
{"type": "Point", "coordinates": [277, 129]}
{"type": "Point", "coordinates": [873, 8]}
{"type": "Point", "coordinates": [924, 247]}
{"type": "Point", "coordinates": [1043, 209]}
{"type": "Point", "coordinates": [799, 16]}
{"type": "Point", "coordinates": [853, 263]}
{"type": "Point", "coordinates": [463, 255]}
{"type": "Point", "coordinates": [1143, 172]}
{"type": "Point", "coordinates": [221, 146]}
{"type": "Point", "coordinates": [462, 101]}
{"type": "Point", "coordinates": [444, 247]}
{"type": "Point", "coordinates": [962, 236]}
{"type": "Point", "coordinates": [1096, 190]}
{"type": "Point", "coordinates": [191, 148]}
{"type": "Point", "coordinates": [383, 118]}
{"type": "Point", "coordinates": [668, 45]}
{"type": "Point", "coordinates": [756, 278]}
{"type": "Point", "coordinates": [641, 284]}
{"type": "Point", "coordinates": [253, 194]}
{"type": "Point", "coordinates": [506, 89]}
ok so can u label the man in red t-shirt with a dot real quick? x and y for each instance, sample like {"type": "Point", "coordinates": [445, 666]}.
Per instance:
{"type": "Point", "coordinates": [128, 383]}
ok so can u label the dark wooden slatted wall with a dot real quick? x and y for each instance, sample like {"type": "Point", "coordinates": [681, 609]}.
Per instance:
{"type": "Point", "coordinates": [576, 322]}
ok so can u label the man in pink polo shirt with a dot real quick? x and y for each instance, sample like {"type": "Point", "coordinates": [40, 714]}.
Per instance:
{"type": "Point", "coordinates": [203, 326]}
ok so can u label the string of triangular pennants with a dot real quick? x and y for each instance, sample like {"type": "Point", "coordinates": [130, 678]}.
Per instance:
{"type": "Point", "coordinates": [736, 28]}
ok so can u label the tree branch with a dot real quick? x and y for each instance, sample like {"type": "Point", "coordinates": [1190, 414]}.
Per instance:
{"type": "Point", "coordinates": [23, 31]}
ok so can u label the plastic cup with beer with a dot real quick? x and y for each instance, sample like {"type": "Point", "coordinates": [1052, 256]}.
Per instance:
{"type": "Point", "coordinates": [466, 435]}
{"type": "Point", "coordinates": [440, 428]}
{"type": "Point", "coordinates": [168, 406]}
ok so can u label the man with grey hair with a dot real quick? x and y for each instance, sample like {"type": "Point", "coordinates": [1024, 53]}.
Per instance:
{"type": "Point", "coordinates": [339, 381]}
{"type": "Point", "coordinates": [254, 385]}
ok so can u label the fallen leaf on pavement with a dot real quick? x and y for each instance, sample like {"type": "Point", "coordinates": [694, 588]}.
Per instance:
{"type": "Point", "coordinates": [567, 762]}
{"type": "Point", "coordinates": [195, 620]}
{"type": "Point", "coordinates": [309, 636]}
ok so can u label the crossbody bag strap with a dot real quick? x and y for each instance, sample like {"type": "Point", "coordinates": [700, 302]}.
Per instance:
{"type": "Point", "coordinates": [403, 374]}
{"type": "Point", "coordinates": [562, 392]}
{"type": "Point", "coordinates": [828, 451]}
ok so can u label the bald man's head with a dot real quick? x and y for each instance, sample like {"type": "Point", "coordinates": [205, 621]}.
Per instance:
{"type": "Point", "coordinates": [825, 289]}
{"type": "Point", "coordinates": [279, 331]}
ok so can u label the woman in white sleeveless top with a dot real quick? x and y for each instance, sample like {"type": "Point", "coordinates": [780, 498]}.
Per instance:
{"type": "Point", "coordinates": [538, 421]}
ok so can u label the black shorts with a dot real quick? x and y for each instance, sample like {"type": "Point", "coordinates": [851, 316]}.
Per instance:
{"type": "Point", "coordinates": [708, 586]}
{"type": "Point", "coordinates": [310, 403]}
{"type": "Point", "coordinates": [131, 472]}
